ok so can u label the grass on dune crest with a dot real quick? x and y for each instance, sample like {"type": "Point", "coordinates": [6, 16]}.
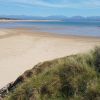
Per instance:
{"type": "Point", "coordinates": [70, 78]}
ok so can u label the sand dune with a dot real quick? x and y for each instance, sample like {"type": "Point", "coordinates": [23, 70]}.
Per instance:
{"type": "Point", "coordinates": [21, 49]}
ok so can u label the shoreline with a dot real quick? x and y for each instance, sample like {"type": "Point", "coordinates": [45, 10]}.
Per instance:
{"type": "Point", "coordinates": [21, 49]}
{"type": "Point", "coordinates": [22, 20]}
{"type": "Point", "coordinates": [40, 33]}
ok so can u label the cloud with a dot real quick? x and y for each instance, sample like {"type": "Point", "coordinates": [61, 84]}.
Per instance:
{"type": "Point", "coordinates": [57, 3]}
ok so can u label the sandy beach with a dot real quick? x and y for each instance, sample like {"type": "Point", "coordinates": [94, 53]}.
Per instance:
{"type": "Point", "coordinates": [21, 49]}
{"type": "Point", "coordinates": [13, 20]}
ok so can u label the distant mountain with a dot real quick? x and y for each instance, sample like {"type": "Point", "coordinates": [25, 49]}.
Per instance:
{"type": "Point", "coordinates": [56, 17]}
{"type": "Point", "coordinates": [80, 18]}
{"type": "Point", "coordinates": [77, 17]}
{"type": "Point", "coordinates": [20, 17]}
{"type": "Point", "coordinates": [34, 17]}
{"type": "Point", "coordinates": [64, 18]}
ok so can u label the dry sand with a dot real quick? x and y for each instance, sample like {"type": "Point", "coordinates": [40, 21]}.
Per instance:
{"type": "Point", "coordinates": [21, 49]}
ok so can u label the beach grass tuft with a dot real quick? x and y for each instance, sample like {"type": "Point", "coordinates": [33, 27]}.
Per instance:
{"type": "Point", "coordinates": [75, 77]}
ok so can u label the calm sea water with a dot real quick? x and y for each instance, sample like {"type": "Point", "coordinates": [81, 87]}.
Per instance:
{"type": "Point", "coordinates": [66, 28]}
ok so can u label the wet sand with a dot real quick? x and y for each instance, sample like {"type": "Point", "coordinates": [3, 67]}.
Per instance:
{"type": "Point", "coordinates": [21, 49]}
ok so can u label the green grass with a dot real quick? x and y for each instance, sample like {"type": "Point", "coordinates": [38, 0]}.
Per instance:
{"type": "Point", "coordinates": [70, 78]}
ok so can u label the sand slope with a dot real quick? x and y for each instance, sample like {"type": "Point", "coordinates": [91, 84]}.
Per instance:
{"type": "Point", "coordinates": [21, 50]}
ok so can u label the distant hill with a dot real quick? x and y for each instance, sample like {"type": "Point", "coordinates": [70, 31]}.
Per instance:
{"type": "Point", "coordinates": [80, 18]}
{"type": "Point", "coordinates": [23, 17]}
{"type": "Point", "coordinates": [64, 18]}
{"type": "Point", "coordinates": [6, 18]}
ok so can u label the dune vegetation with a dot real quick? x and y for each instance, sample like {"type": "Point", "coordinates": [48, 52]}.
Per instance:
{"type": "Point", "coordinates": [76, 77]}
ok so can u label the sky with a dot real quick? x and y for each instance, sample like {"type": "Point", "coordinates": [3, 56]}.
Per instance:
{"type": "Point", "coordinates": [50, 7]}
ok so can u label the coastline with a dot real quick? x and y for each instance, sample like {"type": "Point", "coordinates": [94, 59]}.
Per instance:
{"type": "Point", "coordinates": [19, 20]}
{"type": "Point", "coordinates": [21, 49]}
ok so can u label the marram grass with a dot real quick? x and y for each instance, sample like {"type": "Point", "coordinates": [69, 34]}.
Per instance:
{"type": "Point", "coordinates": [70, 78]}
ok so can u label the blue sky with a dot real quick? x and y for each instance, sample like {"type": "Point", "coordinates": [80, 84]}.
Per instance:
{"type": "Point", "coordinates": [50, 7]}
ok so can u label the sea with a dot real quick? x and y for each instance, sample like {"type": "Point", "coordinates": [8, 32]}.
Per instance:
{"type": "Point", "coordinates": [78, 28]}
